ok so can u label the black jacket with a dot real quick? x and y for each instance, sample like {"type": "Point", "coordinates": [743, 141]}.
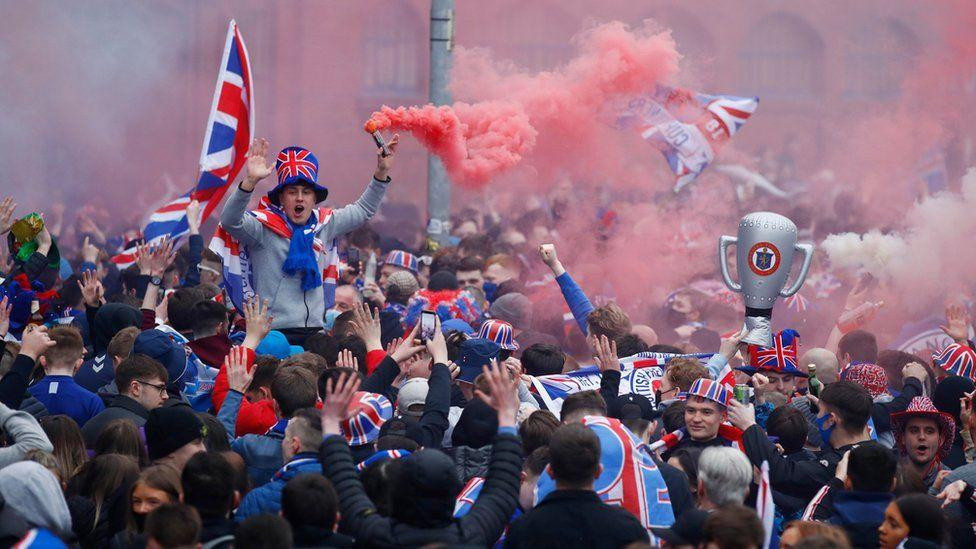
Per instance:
{"type": "Point", "coordinates": [482, 526]}
{"type": "Point", "coordinates": [117, 407]}
{"type": "Point", "coordinates": [798, 478]}
{"type": "Point", "coordinates": [308, 537]}
{"type": "Point", "coordinates": [858, 513]}
{"type": "Point", "coordinates": [430, 429]}
{"type": "Point", "coordinates": [575, 518]}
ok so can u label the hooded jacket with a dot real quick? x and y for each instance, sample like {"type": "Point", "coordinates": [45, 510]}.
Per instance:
{"type": "Point", "coordinates": [261, 453]}
{"type": "Point", "coordinates": [427, 524]}
{"type": "Point", "coordinates": [23, 434]}
{"type": "Point", "coordinates": [267, 498]}
{"type": "Point", "coordinates": [103, 323]}
{"type": "Point", "coordinates": [116, 407]}
{"type": "Point", "coordinates": [35, 494]}
{"type": "Point", "coordinates": [290, 306]}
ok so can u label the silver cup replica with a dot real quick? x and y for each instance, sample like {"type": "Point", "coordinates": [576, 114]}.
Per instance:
{"type": "Point", "coordinates": [764, 256]}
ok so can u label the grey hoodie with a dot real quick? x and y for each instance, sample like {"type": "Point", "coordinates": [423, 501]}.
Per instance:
{"type": "Point", "coordinates": [25, 433]}
{"type": "Point", "coordinates": [35, 494]}
{"type": "Point", "coordinates": [290, 306]}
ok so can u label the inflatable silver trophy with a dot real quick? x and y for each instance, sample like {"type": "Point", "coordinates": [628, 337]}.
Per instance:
{"type": "Point", "coordinates": [764, 256]}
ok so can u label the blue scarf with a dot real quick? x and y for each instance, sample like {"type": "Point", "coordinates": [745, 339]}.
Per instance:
{"type": "Point", "coordinates": [301, 256]}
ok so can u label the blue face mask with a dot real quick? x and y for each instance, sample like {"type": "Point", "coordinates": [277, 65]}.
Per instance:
{"type": "Point", "coordinates": [824, 432]}
{"type": "Point", "coordinates": [489, 288]}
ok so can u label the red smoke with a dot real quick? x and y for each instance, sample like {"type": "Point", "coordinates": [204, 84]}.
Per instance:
{"type": "Point", "coordinates": [553, 116]}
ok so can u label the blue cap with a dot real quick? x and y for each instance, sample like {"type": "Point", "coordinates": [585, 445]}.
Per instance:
{"type": "Point", "coordinates": [276, 345]}
{"type": "Point", "coordinates": [159, 346]}
{"type": "Point", "coordinates": [475, 354]}
{"type": "Point", "coordinates": [456, 325]}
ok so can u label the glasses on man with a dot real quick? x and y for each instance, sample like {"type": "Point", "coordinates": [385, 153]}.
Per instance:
{"type": "Point", "coordinates": [160, 387]}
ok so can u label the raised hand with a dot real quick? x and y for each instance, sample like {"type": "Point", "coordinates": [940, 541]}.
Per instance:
{"type": "Point", "coordinates": [437, 345]}
{"type": "Point", "coordinates": [347, 360]}
{"type": "Point", "coordinates": [606, 353]}
{"type": "Point", "coordinates": [92, 289]}
{"type": "Point", "coordinates": [258, 165]}
{"type": "Point", "coordinates": [730, 345]}
{"type": "Point", "coordinates": [5, 308]}
{"type": "Point", "coordinates": [503, 397]}
{"type": "Point", "coordinates": [385, 163]}
{"type": "Point", "coordinates": [144, 258]}
{"type": "Point", "coordinates": [548, 254]}
{"type": "Point", "coordinates": [366, 324]}
{"type": "Point", "coordinates": [952, 493]}
{"type": "Point", "coordinates": [193, 216]}
{"type": "Point", "coordinates": [258, 319]}
{"type": "Point", "coordinates": [89, 252]}
{"type": "Point", "coordinates": [7, 208]}
{"type": "Point", "coordinates": [957, 323]}
{"type": "Point", "coordinates": [410, 346]}
{"type": "Point", "coordinates": [235, 364]}
{"type": "Point", "coordinates": [162, 257]}
{"type": "Point", "coordinates": [35, 341]}
{"type": "Point", "coordinates": [916, 370]}
{"type": "Point", "coordinates": [741, 415]}
{"type": "Point", "coordinates": [339, 394]}
{"type": "Point", "coordinates": [392, 346]}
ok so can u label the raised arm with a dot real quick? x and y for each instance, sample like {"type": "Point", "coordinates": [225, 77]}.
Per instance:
{"type": "Point", "coordinates": [23, 434]}
{"type": "Point", "coordinates": [196, 245]}
{"type": "Point", "coordinates": [233, 219]}
{"type": "Point", "coordinates": [575, 298]}
{"type": "Point", "coordinates": [358, 514]}
{"type": "Point", "coordinates": [349, 217]}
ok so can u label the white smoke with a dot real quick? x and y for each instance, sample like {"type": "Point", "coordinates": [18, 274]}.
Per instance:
{"type": "Point", "coordinates": [933, 255]}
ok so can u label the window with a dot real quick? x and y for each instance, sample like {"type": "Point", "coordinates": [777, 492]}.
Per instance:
{"type": "Point", "coordinates": [879, 56]}
{"type": "Point", "coordinates": [782, 58]}
{"type": "Point", "coordinates": [394, 58]}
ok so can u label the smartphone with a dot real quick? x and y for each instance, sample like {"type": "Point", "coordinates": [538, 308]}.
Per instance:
{"type": "Point", "coordinates": [352, 258]}
{"type": "Point", "coordinates": [428, 325]}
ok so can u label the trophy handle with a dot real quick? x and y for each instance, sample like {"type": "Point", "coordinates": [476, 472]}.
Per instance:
{"type": "Point", "coordinates": [723, 245]}
{"type": "Point", "coordinates": [807, 250]}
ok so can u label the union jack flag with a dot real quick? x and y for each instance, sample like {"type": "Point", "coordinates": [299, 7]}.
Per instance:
{"type": "Point", "coordinates": [630, 478]}
{"type": "Point", "coordinates": [371, 411]}
{"type": "Point", "coordinates": [225, 145]}
{"type": "Point", "coordinates": [500, 332]}
{"type": "Point", "coordinates": [292, 163]}
{"type": "Point", "coordinates": [688, 127]}
{"type": "Point", "coordinates": [957, 359]}
{"type": "Point", "coordinates": [781, 357]}
{"type": "Point", "coordinates": [798, 303]}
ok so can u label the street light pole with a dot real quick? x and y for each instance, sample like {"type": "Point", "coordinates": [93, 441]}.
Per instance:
{"type": "Point", "coordinates": [438, 185]}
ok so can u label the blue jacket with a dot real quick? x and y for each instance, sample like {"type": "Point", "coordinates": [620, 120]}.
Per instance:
{"type": "Point", "coordinates": [96, 373]}
{"type": "Point", "coordinates": [576, 299]}
{"type": "Point", "coordinates": [261, 453]}
{"type": "Point", "coordinates": [61, 395]}
{"type": "Point", "coordinates": [267, 498]}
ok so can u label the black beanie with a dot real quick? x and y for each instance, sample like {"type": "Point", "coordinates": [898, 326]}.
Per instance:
{"type": "Point", "coordinates": [169, 428]}
{"type": "Point", "coordinates": [477, 426]}
{"type": "Point", "coordinates": [948, 392]}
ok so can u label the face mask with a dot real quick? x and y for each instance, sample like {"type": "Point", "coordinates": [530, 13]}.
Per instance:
{"type": "Point", "coordinates": [140, 521]}
{"type": "Point", "coordinates": [490, 289]}
{"type": "Point", "coordinates": [824, 432]}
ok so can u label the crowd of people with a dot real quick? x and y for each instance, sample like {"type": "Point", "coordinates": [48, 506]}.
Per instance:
{"type": "Point", "coordinates": [150, 406]}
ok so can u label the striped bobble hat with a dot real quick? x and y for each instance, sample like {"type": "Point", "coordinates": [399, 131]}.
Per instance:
{"type": "Point", "coordinates": [371, 411]}
{"type": "Point", "coordinates": [710, 390]}
{"type": "Point", "coordinates": [500, 332]}
{"type": "Point", "coordinates": [400, 258]}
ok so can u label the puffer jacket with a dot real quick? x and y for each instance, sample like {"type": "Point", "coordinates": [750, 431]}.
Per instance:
{"type": "Point", "coordinates": [480, 527]}
{"type": "Point", "coordinates": [471, 462]}
{"type": "Point", "coordinates": [267, 498]}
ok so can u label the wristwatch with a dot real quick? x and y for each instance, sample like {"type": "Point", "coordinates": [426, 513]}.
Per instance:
{"type": "Point", "coordinates": [156, 281]}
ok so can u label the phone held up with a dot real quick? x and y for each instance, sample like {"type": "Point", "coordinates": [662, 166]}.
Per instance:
{"type": "Point", "coordinates": [428, 325]}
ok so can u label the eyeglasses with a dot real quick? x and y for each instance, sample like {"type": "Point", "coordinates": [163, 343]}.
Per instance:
{"type": "Point", "coordinates": [161, 387]}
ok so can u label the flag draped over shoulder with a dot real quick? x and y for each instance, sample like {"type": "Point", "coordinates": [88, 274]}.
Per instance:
{"type": "Point", "coordinates": [687, 127]}
{"type": "Point", "coordinates": [237, 265]}
{"type": "Point", "coordinates": [230, 127]}
{"type": "Point", "coordinates": [630, 478]}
